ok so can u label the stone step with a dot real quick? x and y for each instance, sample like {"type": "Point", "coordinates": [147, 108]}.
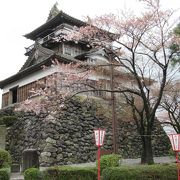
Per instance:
{"type": "Point", "coordinates": [15, 168]}
{"type": "Point", "coordinates": [16, 176]}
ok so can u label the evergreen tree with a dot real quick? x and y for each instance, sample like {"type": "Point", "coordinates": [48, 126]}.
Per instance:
{"type": "Point", "coordinates": [175, 47]}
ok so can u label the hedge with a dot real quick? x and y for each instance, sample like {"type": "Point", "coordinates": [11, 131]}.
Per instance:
{"type": "Point", "coordinates": [4, 174]}
{"type": "Point", "coordinates": [61, 173]}
{"type": "Point", "coordinates": [32, 174]}
{"type": "Point", "coordinates": [8, 120]}
{"type": "Point", "coordinates": [5, 159]}
{"type": "Point", "coordinates": [5, 163]}
{"type": "Point", "coordinates": [110, 160]}
{"type": "Point", "coordinates": [70, 173]}
{"type": "Point", "coordinates": [141, 172]}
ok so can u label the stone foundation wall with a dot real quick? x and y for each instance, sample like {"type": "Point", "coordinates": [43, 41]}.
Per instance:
{"type": "Point", "coordinates": [2, 136]}
{"type": "Point", "coordinates": [68, 136]}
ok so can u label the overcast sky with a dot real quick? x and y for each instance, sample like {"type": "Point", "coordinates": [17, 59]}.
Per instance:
{"type": "Point", "coordinates": [22, 16]}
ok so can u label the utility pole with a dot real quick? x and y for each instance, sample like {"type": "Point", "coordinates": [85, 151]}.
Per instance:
{"type": "Point", "coordinates": [113, 104]}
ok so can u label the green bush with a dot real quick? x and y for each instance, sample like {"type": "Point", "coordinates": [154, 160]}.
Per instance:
{"type": "Point", "coordinates": [5, 159]}
{"type": "Point", "coordinates": [4, 174]}
{"type": "Point", "coordinates": [32, 174]}
{"type": "Point", "coordinates": [70, 173]}
{"type": "Point", "coordinates": [8, 120]}
{"type": "Point", "coordinates": [110, 160]}
{"type": "Point", "coordinates": [51, 173]}
{"type": "Point", "coordinates": [141, 172]}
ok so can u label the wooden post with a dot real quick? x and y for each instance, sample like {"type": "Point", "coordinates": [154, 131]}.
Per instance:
{"type": "Point", "coordinates": [113, 104]}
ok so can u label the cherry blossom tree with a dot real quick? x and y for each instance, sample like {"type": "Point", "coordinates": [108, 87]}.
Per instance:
{"type": "Point", "coordinates": [171, 106]}
{"type": "Point", "coordinates": [137, 46]}
{"type": "Point", "coordinates": [52, 92]}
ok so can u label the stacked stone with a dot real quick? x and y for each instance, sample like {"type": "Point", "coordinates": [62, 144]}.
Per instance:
{"type": "Point", "coordinates": [67, 136]}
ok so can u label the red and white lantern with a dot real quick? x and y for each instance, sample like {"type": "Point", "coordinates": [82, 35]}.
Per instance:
{"type": "Point", "coordinates": [175, 141]}
{"type": "Point", "coordinates": [99, 137]}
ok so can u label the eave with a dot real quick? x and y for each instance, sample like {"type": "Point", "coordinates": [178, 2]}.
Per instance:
{"type": "Point", "coordinates": [34, 68]}
{"type": "Point", "coordinates": [48, 27]}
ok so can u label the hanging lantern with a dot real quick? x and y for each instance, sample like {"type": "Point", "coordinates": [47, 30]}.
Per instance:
{"type": "Point", "coordinates": [175, 141]}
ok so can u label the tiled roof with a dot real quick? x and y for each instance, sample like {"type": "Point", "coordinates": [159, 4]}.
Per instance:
{"type": "Point", "coordinates": [48, 27]}
{"type": "Point", "coordinates": [38, 54]}
{"type": "Point", "coordinates": [37, 66]}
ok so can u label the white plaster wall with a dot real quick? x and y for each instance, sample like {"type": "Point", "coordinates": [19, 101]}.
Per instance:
{"type": "Point", "coordinates": [30, 78]}
{"type": "Point", "coordinates": [98, 59]}
{"type": "Point", "coordinates": [38, 75]}
{"type": "Point", "coordinates": [0, 98]}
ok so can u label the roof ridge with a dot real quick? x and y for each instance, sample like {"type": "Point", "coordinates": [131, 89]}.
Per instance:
{"type": "Point", "coordinates": [54, 22]}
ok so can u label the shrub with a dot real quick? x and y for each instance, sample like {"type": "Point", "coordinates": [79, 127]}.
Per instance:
{"type": "Point", "coordinates": [8, 120]}
{"type": "Point", "coordinates": [151, 172]}
{"type": "Point", "coordinates": [32, 174]}
{"type": "Point", "coordinates": [51, 173]}
{"type": "Point", "coordinates": [110, 160]}
{"type": "Point", "coordinates": [4, 174]}
{"type": "Point", "coordinates": [70, 173]}
{"type": "Point", "coordinates": [5, 159]}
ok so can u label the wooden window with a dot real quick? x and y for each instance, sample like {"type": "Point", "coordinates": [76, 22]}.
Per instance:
{"type": "Point", "coordinates": [67, 49]}
{"type": "Point", "coordinates": [72, 50]}
{"type": "Point", "coordinates": [5, 99]}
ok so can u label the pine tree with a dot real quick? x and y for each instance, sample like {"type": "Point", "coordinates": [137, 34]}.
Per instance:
{"type": "Point", "coordinates": [176, 46]}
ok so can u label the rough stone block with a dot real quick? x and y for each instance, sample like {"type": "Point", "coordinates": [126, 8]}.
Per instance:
{"type": "Point", "coordinates": [2, 136]}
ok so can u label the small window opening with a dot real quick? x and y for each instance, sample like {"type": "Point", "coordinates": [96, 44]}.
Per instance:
{"type": "Point", "coordinates": [14, 95]}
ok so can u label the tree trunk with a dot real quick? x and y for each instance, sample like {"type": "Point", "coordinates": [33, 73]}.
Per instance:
{"type": "Point", "coordinates": [147, 153]}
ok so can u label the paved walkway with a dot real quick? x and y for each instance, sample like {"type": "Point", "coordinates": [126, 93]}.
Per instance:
{"type": "Point", "coordinates": [16, 176]}
{"type": "Point", "coordinates": [19, 176]}
{"type": "Point", "coordinates": [157, 160]}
